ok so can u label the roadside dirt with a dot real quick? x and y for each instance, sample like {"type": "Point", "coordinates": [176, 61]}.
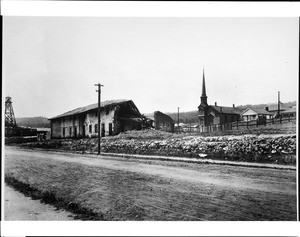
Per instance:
{"type": "Point", "coordinates": [19, 207]}
{"type": "Point", "coordinates": [125, 189]}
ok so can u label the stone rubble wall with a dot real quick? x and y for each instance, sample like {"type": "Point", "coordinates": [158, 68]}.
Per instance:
{"type": "Point", "coordinates": [263, 148]}
{"type": "Point", "coordinates": [270, 148]}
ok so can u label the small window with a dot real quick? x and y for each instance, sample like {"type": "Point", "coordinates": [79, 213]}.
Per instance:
{"type": "Point", "coordinates": [64, 132]}
{"type": "Point", "coordinates": [90, 128]}
{"type": "Point", "coordinates": [70, 130]}
{"type": "Point", "coordinates": [96, 128]}
{"type": "Point", "coordinates": [75, 131]}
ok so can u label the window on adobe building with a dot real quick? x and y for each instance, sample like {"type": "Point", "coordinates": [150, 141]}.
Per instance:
{"type": "Point", "coordinates": [96, 128]}
{"type": "Point", "coordinates": [90, 128]}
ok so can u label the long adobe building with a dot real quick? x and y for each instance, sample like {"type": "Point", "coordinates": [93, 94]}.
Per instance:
{"type": "Point", "coordinates": [116, 116]}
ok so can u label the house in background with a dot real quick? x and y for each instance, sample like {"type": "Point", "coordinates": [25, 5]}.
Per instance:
{"type": "Point", "coordinates": [274, 109]}
{"type": "Point", "coordinates": [43, 134]}
{"type": "Point", "coordinates": [291, 112]}
{"type": "Point", "coordinates": [214, 114]}
{"type": "Point", "coordinates": [251, 114]}
{"type": "Point", "coordinates": [284, 110]}
{"type": "Point", "coordinates": [116, 116]}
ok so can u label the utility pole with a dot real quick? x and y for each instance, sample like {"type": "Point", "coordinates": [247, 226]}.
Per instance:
{"type": "Point", "coordinates": [278, 104]}
{"type": "Point", "coordinates": [99, 117]}
{"type": "Point", "coordinates": [178, 120]}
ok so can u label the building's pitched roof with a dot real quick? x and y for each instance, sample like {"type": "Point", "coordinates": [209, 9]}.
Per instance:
{"type": "Point", "coordinates": [275, 107]}
{"type": "Point", "coordinates": [226, 110]}
{"type": "Point", "coordinates": [262, 111]}
{"type": "Point", "coordinates": [258, 111]}
{"type": "Point", "coordinates": [90, 107]}
{"type": "Point", "coordinates": [290, 110]}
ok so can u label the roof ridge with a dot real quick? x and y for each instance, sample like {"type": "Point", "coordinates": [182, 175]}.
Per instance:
{"type": "Point", "coordinates": [82, 109]}
{"type": "Point", "coordinates": [259, 110]}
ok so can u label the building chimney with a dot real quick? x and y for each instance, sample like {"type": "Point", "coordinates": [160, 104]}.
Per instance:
{"type": "Point", "coordinates": [233, 106]}
{"type": "Point", "coordinates": [215, 103]}
{"type": "Point", "coordinates": [267, 108]}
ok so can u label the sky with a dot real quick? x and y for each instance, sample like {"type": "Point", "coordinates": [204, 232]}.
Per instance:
{"type": "Point", "coordinates": [50, 64]}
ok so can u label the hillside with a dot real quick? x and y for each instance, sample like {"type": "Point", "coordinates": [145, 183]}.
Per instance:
{"type": "Point", "coordinates": [262, 106]}
{"type": "Point", "coordinates": [185, 117]}
{"type": "Point", "coordinates": [33, 122]}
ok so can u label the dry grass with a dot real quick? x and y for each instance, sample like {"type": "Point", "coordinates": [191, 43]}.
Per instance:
{"type": "Point", "coordinates": [123, 195]}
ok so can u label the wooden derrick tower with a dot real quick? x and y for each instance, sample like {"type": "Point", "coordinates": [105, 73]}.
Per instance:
{"type": "Point", "coordinates": [10, 120]}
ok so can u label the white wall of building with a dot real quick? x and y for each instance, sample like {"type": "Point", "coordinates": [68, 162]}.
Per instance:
{"type": "Point", "coordinates": [91, 119]}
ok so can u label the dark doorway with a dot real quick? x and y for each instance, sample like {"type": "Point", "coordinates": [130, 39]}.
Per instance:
{"type": "Point", "coordinates": [102, 130]}
{"type": "Point", "coordinates": [110, 131]}
{"type": "Point", "coordinates": [83, 130]}
{"type": "Point", "coordinates": [75, 131]}
{"type": "Point", "coordinates": [122, 127]}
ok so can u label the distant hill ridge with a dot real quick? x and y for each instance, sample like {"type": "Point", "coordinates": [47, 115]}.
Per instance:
{"type": "Point", "coordinates": [192, 116]}
{"type": "Point", "coordinates": [33, 122]}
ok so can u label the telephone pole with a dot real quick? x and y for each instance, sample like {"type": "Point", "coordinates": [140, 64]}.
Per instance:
{"type": "Point", "coordinates": [278, 104]}
{"type": "Point", "coordinates": [99, 117]}
{"type": "Point", "coordinates": [178, 120]}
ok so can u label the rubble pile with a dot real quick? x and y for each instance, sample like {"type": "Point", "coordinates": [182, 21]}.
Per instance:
{"type": "Point", "coordinates": [53, 144]}
{"type": "Point", "coordinates": [251, 148]}
{"type": "Point", "coordinates": [144, 134]}
{"type": "Point", "coordinates": [279, 148]}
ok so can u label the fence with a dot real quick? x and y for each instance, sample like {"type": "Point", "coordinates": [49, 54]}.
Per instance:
{"type": "Point", "coordinates": [239, 125]}
{"type": "Point", "coordinates": [242, 125]}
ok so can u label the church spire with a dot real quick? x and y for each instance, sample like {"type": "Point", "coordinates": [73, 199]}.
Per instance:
{"type": "Point", "coordinates": [203, 96]}
{"type": "Point", "coordinates": [203, 86]}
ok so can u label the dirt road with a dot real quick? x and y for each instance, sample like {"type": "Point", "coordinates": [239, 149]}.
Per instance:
{"type": "Point", "coordinates": [159, 190]}
{"type": "Point", "coordinates": [19, 207]}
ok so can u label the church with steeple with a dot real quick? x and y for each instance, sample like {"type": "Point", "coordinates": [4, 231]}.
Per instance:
{"type": "Point", "coordinates": [215, 114]}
